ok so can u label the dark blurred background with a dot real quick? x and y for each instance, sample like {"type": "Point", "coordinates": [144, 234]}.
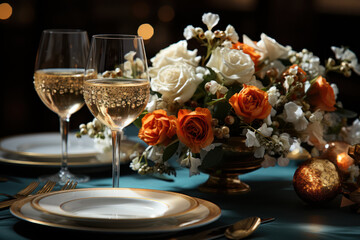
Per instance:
{"type": "Point", "coordinates": [312, 24]}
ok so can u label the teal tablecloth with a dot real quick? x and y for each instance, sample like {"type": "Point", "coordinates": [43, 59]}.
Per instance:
{"type": "Point", "coordinates": [272, 195]}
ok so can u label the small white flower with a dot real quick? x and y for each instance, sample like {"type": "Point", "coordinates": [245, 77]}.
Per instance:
{"type": "Point", "coordinates": [189, 32]}
{"type": "Point", "coordinates": [265, 130]}
{"type": "Point", "coordinates": [347, 55]}
{"type": "Point", "coordinates": [215, 87]}
{"type": "Point", "coordinates": [268, 161]}
{"type": "Point", "coordinates": [272, 49]}
{"type": "Point", "coordinates": [155, 153]}
{"type": "Point", "coordinates": [273, 95]}
{"type": "Point", "coordinates": [251, 140]}
{"type": "Point", "coordinates": [353, 134]}
{"type": "Point", "coordinates": [259, 152]}
{"type": "Point", "coordinates": [293, 70]}
{"type": "Point", "coordinates": [295, 115]}
{"type": "Point", "coordinates": [151, 106]}
{"type": "Point", "coordinates": [232, 34]}
{"type": "Point", "coordinates": [209, 35]}
{"type": "Point", "coordinates": [284, 139]}
{"type": "Point", "coordinates": [210, 20]}
{"type": "Point", "coordinates": [135, 164]}
{"type": "Point", "coordinates": [192, 162]}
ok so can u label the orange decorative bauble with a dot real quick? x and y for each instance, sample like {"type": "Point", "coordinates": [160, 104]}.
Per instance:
{"type": "Point", "coordinates": [317, 181]}
{"type": "Point", "coordinates": [337, 152]}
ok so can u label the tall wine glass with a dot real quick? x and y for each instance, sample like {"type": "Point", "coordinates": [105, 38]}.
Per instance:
{"type": "Point", "coordinates": [116, 88]}
{"type": "Point", "coordinates": [59, 80]}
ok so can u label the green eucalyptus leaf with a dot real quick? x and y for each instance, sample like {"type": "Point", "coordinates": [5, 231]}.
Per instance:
{"type": "Point", "coordinates": [170, 151]}
{"type": "Point", "coordinates": [212, 159]}
{"type": "Point", "coordinates": [137, 121]}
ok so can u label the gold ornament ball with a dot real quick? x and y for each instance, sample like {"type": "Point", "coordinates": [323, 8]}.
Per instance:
{"type": "Point", "coordinates": [317, 181]}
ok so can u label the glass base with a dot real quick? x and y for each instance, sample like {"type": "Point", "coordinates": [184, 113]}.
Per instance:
{"type": "Point", "coordinates": [63, 176]}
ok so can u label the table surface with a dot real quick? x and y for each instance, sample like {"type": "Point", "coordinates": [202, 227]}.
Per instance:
{"type": "Point", "coordinates": [272, 195]}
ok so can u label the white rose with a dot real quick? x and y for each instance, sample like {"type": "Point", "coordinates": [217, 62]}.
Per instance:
{"type": "Point", "coordinates": [232, 65]}
{"type": "Point", "coordinates": [176, 82]}
{"type": "Point", "coordinates": [176, 52]}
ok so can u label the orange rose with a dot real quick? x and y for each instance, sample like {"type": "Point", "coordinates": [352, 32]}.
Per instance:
{"type": "Point", "coordinates": [321, 95]}
{"type": "Point", "coordinates": [248, 50]}
{"type": "Point", "coordinates": [251, 103]}
{"type": "Point", "coordinates": [157, 128]}
{"type": "Point", "coordinates": [194, 128]}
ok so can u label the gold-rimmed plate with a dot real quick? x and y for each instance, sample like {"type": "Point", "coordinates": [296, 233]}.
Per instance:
{"type": "Point", "coordinates": [128, 146]}
{"type": "Point", "coordinates": [115, 206]}
{"type": "Point", "coordinates": [204, 214]}
{"type": "Point", "coordinates": [47, 145]}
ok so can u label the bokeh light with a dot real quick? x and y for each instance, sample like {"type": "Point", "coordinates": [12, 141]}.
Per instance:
{"type": "Point", "coordinates": [166, 13]}
{"type": "Point", "coordinates": [5, 11]}
{"type": "Point", "coordinates": [146, 31]}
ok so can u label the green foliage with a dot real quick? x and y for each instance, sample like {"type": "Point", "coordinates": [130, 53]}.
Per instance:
{"type": "Point", "coordinates": [137, 122]}
{"type": "Point", "coordinates": [170, 151]}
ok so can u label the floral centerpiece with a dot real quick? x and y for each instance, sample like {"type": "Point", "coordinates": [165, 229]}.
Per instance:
{"type": "Point", "coordinates": [278, 99]}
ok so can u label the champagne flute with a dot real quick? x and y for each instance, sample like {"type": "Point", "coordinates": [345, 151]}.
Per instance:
{"type": "Point", "coordinates": [59, 80]}
{"type": "Point", "coordinates": [116, 88]}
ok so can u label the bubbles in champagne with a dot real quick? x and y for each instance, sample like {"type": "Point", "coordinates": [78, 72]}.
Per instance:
{"type": "Point", "coordinates": [116, 102]}
{"type": "Point", "coordinates": [60, 89]}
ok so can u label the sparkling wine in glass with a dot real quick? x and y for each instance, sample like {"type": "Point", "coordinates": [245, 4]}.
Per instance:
{"type": "Point", "coordinates": [59, 82]}
{"type": "Point", "coordinates": [116, 88]}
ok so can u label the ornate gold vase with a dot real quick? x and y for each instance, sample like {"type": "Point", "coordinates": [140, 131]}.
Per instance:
{"type": "Point", "coordinates": [236, 159]}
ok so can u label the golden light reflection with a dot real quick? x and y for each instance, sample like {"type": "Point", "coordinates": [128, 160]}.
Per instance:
{"type": "Point", "coordinates": [5, 11]}
{"type": "Point", "coordinates": [344, 161]}
{"type": "Point", "coordinates": [166, 13]}
{"type": "Point", "coordinates": [146, 31]}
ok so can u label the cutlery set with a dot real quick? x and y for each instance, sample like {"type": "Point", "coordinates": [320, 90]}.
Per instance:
{"type": "Point", "coordinates": [29, 189]}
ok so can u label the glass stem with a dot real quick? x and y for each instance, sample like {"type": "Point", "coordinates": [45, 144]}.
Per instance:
{"type": "Point", "coordinates": [64, 131]}
{"type": "Point", "coordinates": [116, 139]}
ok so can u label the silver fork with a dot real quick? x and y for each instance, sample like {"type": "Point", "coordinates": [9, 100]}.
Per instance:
{"type": "Point", "coordinates": [24, 192]}
{"type": "Point", "coordinates": [48, 187]}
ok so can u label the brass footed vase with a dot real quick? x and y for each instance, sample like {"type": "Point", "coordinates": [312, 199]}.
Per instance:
{"type": "Point", "coordinates": [236, 159]}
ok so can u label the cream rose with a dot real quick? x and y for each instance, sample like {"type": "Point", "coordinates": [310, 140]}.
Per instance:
{"type": "Point", "coordinates": [177, 82]}
{"type": "Point", "coordinates": [232, 65]}
{"type": "Point", "coordinates": [176, 52]}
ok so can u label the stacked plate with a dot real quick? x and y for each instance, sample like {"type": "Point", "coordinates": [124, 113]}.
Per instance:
{"type": "Point", "coordinates": [121, 210]}
{"type": "Point", "coordinates": [43, 149]}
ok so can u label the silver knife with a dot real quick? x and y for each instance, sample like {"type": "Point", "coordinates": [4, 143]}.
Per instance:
{"type": "Point", "coordinates": [213, 233]}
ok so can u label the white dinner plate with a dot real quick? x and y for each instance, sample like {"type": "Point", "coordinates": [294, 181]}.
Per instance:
{"type": "Point", "coordinates": [205, 213]}
{"type": "Point", "coordinates": [48, 145]}
{"type": "Point", "coordinates": [116, 207]}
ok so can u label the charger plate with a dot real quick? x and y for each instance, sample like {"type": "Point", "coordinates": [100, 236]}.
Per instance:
{"type": "Point", "coordinates": [204, 214]}
{"type": "Point", "coordinates": [116, 207]}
